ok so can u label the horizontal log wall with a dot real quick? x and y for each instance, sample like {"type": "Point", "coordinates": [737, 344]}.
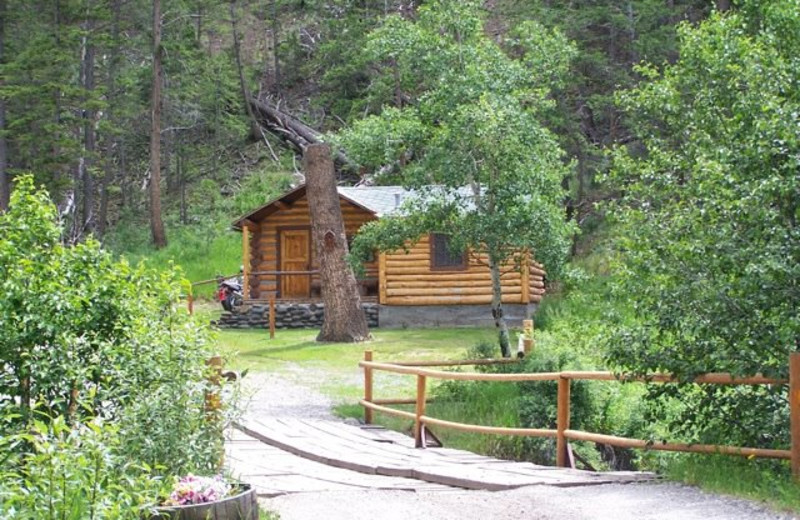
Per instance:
{"type": "Point", "coordinates": [409, 280]}
{"type": "Point", "coordinates": [265, 253]}
{"type": "Point", "coordinates": [535, 282]}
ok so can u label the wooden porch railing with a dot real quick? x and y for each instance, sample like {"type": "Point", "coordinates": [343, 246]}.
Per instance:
{"type": "Point", "coordinates": [563, 433]}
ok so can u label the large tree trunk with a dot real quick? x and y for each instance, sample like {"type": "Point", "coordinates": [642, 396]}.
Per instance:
{"type": "Point", "coordinates": [344, 319]}
{"type": "Point", "coordinates": [5, 184]}
{"type": "Point", "coordinates": [156, 224]}
{"type": "Point", "coordinates": [497, 308]}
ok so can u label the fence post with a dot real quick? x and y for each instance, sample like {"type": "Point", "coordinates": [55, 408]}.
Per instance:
{"type": "Point", "coordinates": [419, 440]}
{"type": "Point", "coordinates": [246, 262]}
{"type": "Point", "coordinates": [794, 411]}
{"type": "Point", "coordinates": [272, 317]}
{"type": "Point", "coordinates": [190, 301]}
{"type": "Point", "coordinates": [368, 387]}
{"type": "Point", "coordinates": [562, 422]}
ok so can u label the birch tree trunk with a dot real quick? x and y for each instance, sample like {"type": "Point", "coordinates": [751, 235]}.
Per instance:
{"type": "Point", "coordinates": [344, 319]}
{"type": "Point", "coordinates": [156, 224]}
{"type": "Point", "coordinates": [497, 308]}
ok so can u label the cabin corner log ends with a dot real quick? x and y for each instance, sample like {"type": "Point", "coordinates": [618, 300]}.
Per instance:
{"type": "Point", "coordinates": [563, 434]}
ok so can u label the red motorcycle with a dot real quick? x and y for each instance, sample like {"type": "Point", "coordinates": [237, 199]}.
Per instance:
{"type": "Point", "coordinates": [229, 293]}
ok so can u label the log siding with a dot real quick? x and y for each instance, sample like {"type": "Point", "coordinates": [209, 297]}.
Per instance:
{"type": "Point", "coordinates": [396, 278]}
{"type": "Point", "coordinates": [266, 254]}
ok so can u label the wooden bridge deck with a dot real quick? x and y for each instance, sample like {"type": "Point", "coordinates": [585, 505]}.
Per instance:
{"type": "Point", "coordinates": [388, 458]}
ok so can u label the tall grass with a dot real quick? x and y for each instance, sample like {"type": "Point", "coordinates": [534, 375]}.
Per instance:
{"type": "Point", "coordinates": [200, 255]}
{"type": "Point", "coordinates": [205, 245]}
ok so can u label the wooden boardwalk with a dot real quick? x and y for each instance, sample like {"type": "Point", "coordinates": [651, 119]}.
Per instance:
{"type": "Point", "coordinates": [275, 472]}
{"type": "Point", "coordinates": [262, 453]}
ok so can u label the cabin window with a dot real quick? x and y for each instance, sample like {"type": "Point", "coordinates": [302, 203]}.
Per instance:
{"type": "Point", "coordinates": [442, 257]}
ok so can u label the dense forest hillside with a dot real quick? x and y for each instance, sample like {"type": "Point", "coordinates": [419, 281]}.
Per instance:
{"type": "Point", "coordinates": [78, 84]}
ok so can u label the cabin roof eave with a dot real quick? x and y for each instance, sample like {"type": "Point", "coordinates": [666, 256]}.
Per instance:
{"type": "Point", "coordinates": [291, 196]}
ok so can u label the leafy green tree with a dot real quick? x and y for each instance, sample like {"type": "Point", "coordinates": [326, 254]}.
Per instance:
{"type": "Point", "coordinates": [710, 243]}
{"type": "Point", "coordinates": [612, 37]}
{"type": "Point", "coordinates": [471, 143]}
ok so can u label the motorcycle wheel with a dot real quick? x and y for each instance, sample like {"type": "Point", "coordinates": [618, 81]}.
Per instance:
{"type": "Point", "coordinates": [227, 304]}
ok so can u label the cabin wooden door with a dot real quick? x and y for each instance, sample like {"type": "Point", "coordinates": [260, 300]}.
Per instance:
{"type": "Point", "coordinates": [295, 253]}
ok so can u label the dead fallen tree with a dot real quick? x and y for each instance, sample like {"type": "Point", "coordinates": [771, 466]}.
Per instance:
{"type": "Point", "coordinates": [296, 134]}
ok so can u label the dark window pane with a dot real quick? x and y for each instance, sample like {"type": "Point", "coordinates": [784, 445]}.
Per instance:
{"type": "Point", "coordinates": [441, 256]}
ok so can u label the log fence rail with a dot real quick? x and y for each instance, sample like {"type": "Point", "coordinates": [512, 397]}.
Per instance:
{"type": "Point", "coordinates": [563, 434]}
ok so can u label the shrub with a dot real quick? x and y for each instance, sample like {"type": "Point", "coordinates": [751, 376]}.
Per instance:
{"type": "Point", "coordinates": [101, 361]}
{"type": "Point", "coordinates": [72, 473]}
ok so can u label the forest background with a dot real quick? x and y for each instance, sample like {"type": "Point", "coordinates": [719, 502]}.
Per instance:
{"type": "Point", "coordinates": [678, 120]}
{"type": "Point", "coordinates": [77, 85]}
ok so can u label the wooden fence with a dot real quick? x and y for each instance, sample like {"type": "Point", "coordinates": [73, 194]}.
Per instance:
{"type": "Point", "coordinates": [563, 433]}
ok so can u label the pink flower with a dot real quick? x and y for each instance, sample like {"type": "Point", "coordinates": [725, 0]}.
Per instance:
{"type": "Point", "coordinates": [198, 490]}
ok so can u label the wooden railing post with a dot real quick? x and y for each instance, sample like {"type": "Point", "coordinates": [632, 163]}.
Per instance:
{"type": "Point", "coordinates": [190, 301]}
{"type": "Point", "coordinates": [562, 422]}
{"type": "Point", "coordinates": [246, 262]}
{"type": "Point", "coordinates": [367, 387]}
{"type": "Point", "coordinates": [419, 436]}
{"type": "Point", "coordinates": [272, 317]}
{"type": "Point", "coordinates": [794, 411]}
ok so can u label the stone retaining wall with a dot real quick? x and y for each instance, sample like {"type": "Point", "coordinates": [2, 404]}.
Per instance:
{"type": "Point", "coordinates": [287, 316]}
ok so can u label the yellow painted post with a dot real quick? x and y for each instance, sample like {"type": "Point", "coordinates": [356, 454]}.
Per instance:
{"type": "Point", "coordinates": [246, 262]}
{"type": "Point", "coordinates": [562, 422]}
{"type": "Point", "coordinates": [794, 411]}
{"type": "Point", "coordinates": [419, 440]}
{"type": "Point", "coordinates": [527, 329]}
{"type": "Point", "coordinates": [368, 387]}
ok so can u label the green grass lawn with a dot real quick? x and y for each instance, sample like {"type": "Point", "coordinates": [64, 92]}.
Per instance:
{"type": "Point", "coordinates": [332, 368]}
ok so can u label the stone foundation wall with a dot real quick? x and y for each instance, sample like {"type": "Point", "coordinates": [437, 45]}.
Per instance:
{"type": "Point", "coordinates": [287, 316]}
{"type": "Point", "coordinates": [403, 316]}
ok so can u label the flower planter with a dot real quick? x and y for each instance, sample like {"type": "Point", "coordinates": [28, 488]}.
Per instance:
{"type": "Point", "coordinates": [241, 506]}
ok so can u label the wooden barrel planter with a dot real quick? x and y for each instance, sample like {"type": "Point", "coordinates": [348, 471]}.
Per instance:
{"type": "Point", "coordinates": [241, 506]}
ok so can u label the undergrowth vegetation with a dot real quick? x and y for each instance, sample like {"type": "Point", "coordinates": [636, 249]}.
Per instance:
{"type": "Point", "coordinates": [103, 376]}
{"type": "Point", "coordinates": [201, 241]}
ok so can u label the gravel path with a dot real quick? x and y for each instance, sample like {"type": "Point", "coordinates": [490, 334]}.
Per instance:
{"type": "Point", "coordinates": [276, 396]}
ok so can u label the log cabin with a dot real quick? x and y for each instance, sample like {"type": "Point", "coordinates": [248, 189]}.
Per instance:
{"type": "Point", "coordinates": [426, 285]}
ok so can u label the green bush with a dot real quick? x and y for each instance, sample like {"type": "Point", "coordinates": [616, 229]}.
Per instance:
{"type": "Point", "coordinates": [101, 361]}
{"type": "Point", "coordinates": [72, 473]}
